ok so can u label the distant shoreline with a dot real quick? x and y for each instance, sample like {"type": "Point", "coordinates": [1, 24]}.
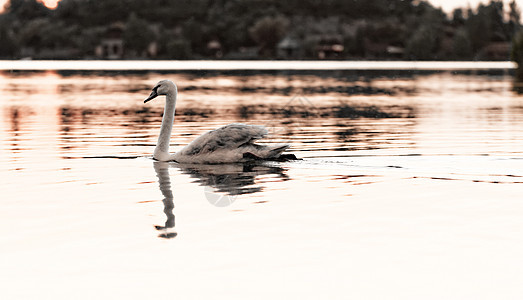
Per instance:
{"type": "Point", "coordinates": [320, 65]}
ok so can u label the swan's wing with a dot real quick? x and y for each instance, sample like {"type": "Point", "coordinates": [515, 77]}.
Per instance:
{"type": "Point", "coordinates": [231, 136]}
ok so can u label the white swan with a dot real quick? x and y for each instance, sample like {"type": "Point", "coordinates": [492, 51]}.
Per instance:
{"type": "Point", "coordinates": [228, 144]}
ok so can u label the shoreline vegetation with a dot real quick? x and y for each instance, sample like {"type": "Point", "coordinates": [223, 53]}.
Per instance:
{"type": "Point", "coordinates": [404, 30]}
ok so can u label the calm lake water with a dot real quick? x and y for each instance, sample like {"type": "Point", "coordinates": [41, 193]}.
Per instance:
{"type": "Point", "coordinates": [410, 187]}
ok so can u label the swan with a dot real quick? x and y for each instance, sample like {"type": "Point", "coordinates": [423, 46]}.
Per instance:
{"type": "Point", "coordinates": [228, 144]}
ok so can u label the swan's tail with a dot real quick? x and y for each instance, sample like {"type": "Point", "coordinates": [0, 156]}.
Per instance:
{"type": "Point", "coordinates": [276, 151]}
{"type": "Point", "coordinates": [263, 152]}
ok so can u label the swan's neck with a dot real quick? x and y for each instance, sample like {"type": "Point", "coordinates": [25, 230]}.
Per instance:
{"type": "Point", "coordinates": [162, 147]}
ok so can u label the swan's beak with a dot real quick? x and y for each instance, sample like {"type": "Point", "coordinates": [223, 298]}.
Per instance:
{"type": "Point", "coordinates": [151, 96]}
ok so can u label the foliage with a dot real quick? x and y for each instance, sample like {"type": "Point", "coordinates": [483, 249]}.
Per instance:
{"type": "Point", "coordinates": [267, 32]}
{"type": "Point", "coordinates": [516, 54]}
{"type": "Point", "coordinates": [25, 10]}
{"type": "Point", "coordinates": [178, 49]}
{"type": "Point", "coordinates": [462, 45]}
{"type": "Point", "coordinates": [458, 19]}
{"type": "Point", "coordinates": [7, 40]}
{"type": "Point", "coordinates": [514, 17]}
{"type": "Point", "coordinates": [137, 35]}
{"type": "Point", "coordinates": [422, 44]}
{"type": "Point", "coordinates": [364, 27]}
{"type": "Point", "coordinates": [88, 39]}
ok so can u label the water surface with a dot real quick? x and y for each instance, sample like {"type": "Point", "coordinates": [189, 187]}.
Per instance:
{"type": "Point", "coordinates": [409, 185]}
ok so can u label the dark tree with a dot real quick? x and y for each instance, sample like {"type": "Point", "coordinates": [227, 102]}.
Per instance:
{"type": "Point", "coordinates": [8, 40]}
{"type": "Point", "coordinates": [461, 44]}
{"type": "Point", "coordinates": [514, 17]}
{"type": "Point", "coordinates": [457, 17]}
{"type": "Point", "coordinates": [517, 54]}
{"type": "Point", "coordinates": [26, 9]}
{"type": "Point", "coordinates": [267, 32]}
{"type": "Point", "coordinates": [137, 35]}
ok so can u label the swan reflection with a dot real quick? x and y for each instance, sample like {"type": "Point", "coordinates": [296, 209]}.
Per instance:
{"type": "Point", "coordinates": [223, 183]}
{"type": "Point", "coordinates": [231, 179]}
{"type": "Point", "coordinates": [162, 172]}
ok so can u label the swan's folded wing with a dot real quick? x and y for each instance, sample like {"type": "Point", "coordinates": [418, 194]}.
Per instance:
{"type": "Point", "coordinates": [227, 137]}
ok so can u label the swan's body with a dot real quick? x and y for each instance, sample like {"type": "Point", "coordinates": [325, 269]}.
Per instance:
{"type": "Point", "coordinates": [228, 144]}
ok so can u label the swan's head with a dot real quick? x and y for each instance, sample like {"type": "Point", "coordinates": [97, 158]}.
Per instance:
{"type": "Point", "coordinates": [163, 87]}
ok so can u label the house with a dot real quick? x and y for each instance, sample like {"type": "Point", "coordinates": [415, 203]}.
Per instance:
{"type": "Point", "coordinates": [214, 48]}
{"type": "Point", "coordinates": [111, 45]}
{"type": "Point", "coordinates": [330, 47]}
{"type": "Point", "coordinates": [288, 48]}
{"type": "Point", "coordinates": [381, 50]}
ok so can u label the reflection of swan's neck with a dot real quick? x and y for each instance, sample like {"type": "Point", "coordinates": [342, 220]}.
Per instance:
{"type": "Point", "coordinates": [162, 147]}
{"type": "Point", "coordinates": [162, 172]}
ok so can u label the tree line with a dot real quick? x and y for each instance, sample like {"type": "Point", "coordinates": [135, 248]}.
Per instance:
{"type": "Point", "coordinates": [304, 29]}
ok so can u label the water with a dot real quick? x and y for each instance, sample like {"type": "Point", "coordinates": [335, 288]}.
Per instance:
{"type": "Point", "coordinates": [409, 187]}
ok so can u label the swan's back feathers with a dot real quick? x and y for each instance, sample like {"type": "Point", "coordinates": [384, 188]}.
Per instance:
{"type": "Point", "coordinates": [229, 144]}
{"type": "Point", "coordinates": [231, 136]}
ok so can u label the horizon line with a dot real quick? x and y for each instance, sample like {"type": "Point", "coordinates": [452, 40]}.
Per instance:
{"type": "Point", "coordinates": [304, 65]}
